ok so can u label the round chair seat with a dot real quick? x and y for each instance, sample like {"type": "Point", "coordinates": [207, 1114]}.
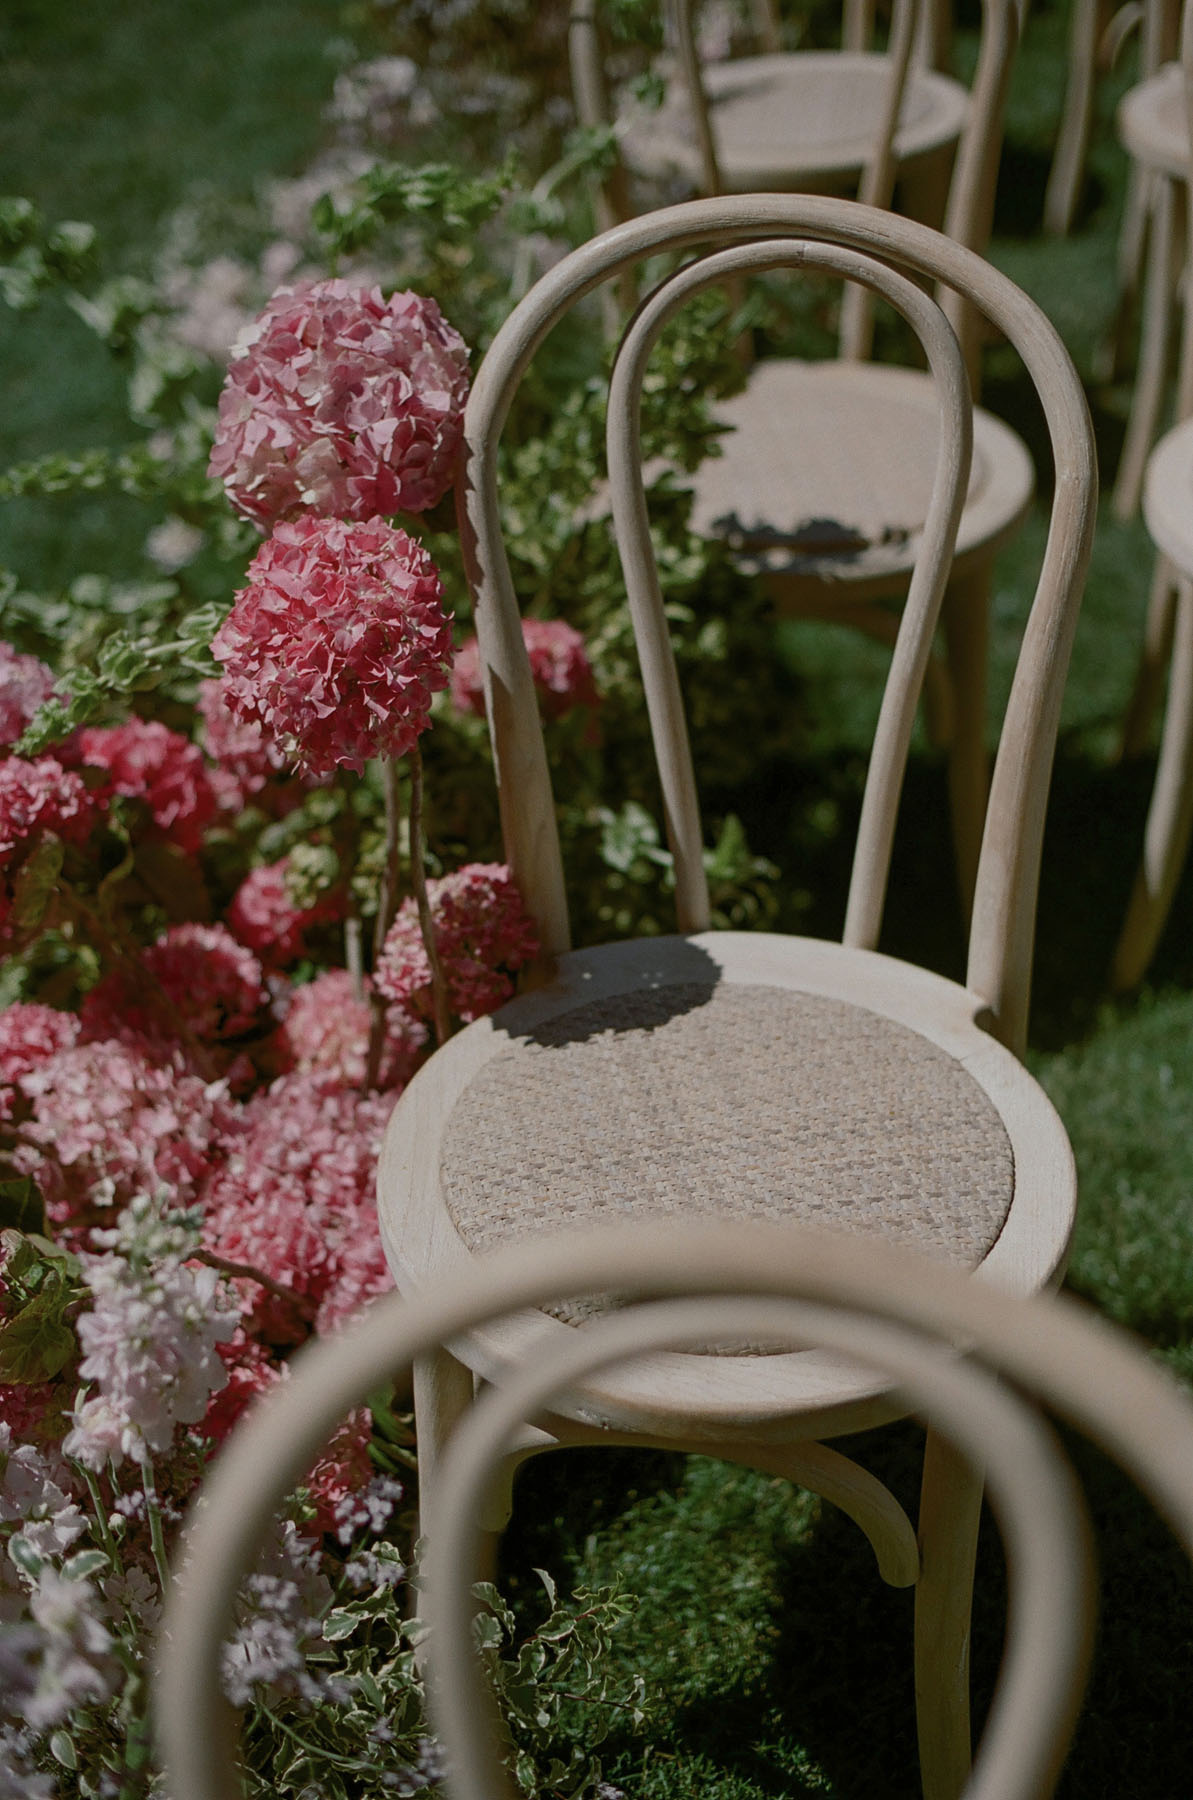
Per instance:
{"type": "Point", "coordinates": [826, 473]}
{"type": "Point", "coordinates": [1152, 123]}
{"type": "Point", "coordinates": [795, 121]}
{"type": "Point", "coordinates": [1168, 496]}
{"type": "Point", "coordinates": [732, 1075]}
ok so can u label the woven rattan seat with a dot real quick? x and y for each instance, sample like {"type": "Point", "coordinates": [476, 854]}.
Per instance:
{"type": "Point", "coordinates": [737, 1102]}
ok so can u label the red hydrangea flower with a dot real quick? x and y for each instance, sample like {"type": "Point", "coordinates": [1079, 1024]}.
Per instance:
{"type": "Point", "coordinates": [482, 932]}
{"type": "Point", "coordinates": [29, 1035]}
{"type": "Point", "coordinates": [148, 761]}
{"type": "Point", "coordinates": [295, 1200]}
{"type": "Point", "coordinates": [37, 797]}
{"type": "Point", "coordinates": [25, 682]}
{"type": "Point", "coordinates": [338, 643]}
{"type": "Point", "coordinates": [251, 1371]}
{"type": "Point", "coordinates": [559, 665]}
{"type": "Point", "coordinates": [198, 974]}
{"type": "Point", "coordinates": [105, 1112]}
{"type": "Point", "coordinates": [341, 403]}
{"type": "Point", "coordinates": [263, 916]}
{"type": "Point", "coordinates": [245, 758]}
{"type": "Point", "coordinates": [327, 1028]}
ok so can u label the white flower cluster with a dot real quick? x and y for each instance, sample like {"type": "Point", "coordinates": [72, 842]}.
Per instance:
{"type": "Point", "coordinates": [279, 1617]}
{"type": "Point", "coordinates": [149, 1340]}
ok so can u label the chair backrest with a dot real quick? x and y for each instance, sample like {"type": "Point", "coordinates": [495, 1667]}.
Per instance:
{"type": "Point", "coordinates": [970, 209]}
{"type": "Point", "coordinates": [902, 1314]}
{"type": "Point", "coordinates": [768, 229]}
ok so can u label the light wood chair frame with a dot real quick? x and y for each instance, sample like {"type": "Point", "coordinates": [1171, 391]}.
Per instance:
{"type": "Point", "coordinates": [771, 1412]}
{"type": "Point", "coordinates": [905, 1315]}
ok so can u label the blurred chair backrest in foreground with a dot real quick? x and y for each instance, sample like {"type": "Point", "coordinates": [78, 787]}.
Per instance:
{"type": "Point", "coordinates": [978, 1364]}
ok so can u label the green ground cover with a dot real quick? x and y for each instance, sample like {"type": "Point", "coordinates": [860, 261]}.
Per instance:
{"type": "Point", "coordinates": [777, 1662]}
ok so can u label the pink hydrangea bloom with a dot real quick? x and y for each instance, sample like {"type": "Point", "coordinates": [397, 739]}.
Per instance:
{"type": "Point", "coordinates": [36, 797]}
{"type": "Point", "coordinates": [559, 665]}
{"type": "Point", "coordinates": [25, 682]}
{"type": "Point", "coordinates": [295, 1200]}
{"type": "Point", "coordinates": [341, 403]}
{"type": "Point", "coordinates": [246, 759]}
{"type": "Point", "coordinates": [338, 643]}
{"type": "Point", "coordinates": [29, 1035]}
{"type": "Point", "coordinates": [196, 975]}
{"type": "Point", "coordinates": [483, 933]}
{"type": "Point", "coordinates": [327, 1028]}
{"type": "Point", "coordinates": [251, 1370]}
{"type": "Point", "coordinates": [264, 917]}
{"type": "Point", "coordinates": [146, 760]}
{"type": "Point", "coordinates": [105, 1117]}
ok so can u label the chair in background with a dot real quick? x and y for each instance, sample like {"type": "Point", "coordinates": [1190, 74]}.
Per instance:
{"type": "Point", "coordinates": [1168, 640]}
{"type": "Point", "coordinates": [907, 1318]}
{"type": "Point", "coordinates": [748, 1074]}
{"type": "Point", "coordinates": [1154, 131]}
{"type": "Point", "coordinates": [836, 536]}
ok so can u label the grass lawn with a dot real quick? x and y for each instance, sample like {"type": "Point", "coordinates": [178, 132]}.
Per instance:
{"type": "Point", "coordinates": [777, 1662]}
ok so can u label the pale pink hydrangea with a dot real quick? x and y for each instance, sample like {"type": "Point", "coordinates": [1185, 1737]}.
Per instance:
{"type": "Point", "coordinates": [195, 976]}
{"type": "Point", "coordinates": [25, 682]}
{"type": "Point", "coordinates": [150, 1349]}
{"type": "Point", "coordinates": [108, 1122]}
{"type": "Point", "coordinates": [146, 760]}
{"type": "Point", "coordinates": [327, 1028]}
{"type": "Point", "coordinates": [559, 666]}
{"type": "Point", "coordinates": [483, 934]}
{"type": "Point", "coordinates": [29, 1035]}
{"type": "Point", "coordinates": [295, 1200]}
{"type": "Point", "coordinates": [338, 643]}
{"type": "Point", "coordinates": [263, 916]}
{"type": "Point", "coordinates": [341, 403]}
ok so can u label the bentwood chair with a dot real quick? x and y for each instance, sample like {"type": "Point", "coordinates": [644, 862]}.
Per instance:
{"type": "Point", "coordinates": [835, 532]}
{"type": "Point", "coordinates": [1168, 639]}
{"type": "Point", "coordinates": [898, 1316]}
{"type": "Point", "coordinates": [751, 1075]}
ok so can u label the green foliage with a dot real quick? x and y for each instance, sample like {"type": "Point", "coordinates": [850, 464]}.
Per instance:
{"type": "Point", "coordinates": [35, 256]}
{"type": "Point", "coordinates": [43, 1289]}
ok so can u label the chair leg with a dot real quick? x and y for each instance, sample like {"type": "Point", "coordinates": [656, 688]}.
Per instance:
{"type": "Point", "coordinates": [1148, 397]}
{"type": "Point", "coordinates": [1170, 815]}
{"type": "Point", "coordinates": [1153, 662]}
{"type": "Point", "coordinates": [1072, 139]}
{"type": "Point", "coordinates": [443, 1392]}
{"type": "Point", "coordinates": [966, 629]}
{"type": "Point", "coordinates": [950, 1508]}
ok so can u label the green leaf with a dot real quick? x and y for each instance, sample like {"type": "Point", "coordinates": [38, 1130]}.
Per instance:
{"type": "Point", "coordinates": [63, 1750]}
{"type": "Point", "coordinates": [36, 881]}
{"type": "Point", "coordinates": [85, 1563]}
{"type": "Point", "coordinates": [341, 1624]}
{"type": "Point", "coordinates": [21, 1205]}
{"type": "Point", "coordinates": [36, 1345]}
{"type": "Point", "coordinates": [27, 1559]}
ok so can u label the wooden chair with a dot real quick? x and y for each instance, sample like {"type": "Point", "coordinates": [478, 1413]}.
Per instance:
{"type": "Point", "coordinates": [1153, 129]}
{"type": "Point", "coordinates": [903, 1316]}
{"type": "Point", "coordinates": [740, 1074]}
{"type": "Point", "coordinates": [1168, 642]}
{"type": "Point", "coordinates": [836, 538]}
{"type": "Point", "coordinates": [816, 121]}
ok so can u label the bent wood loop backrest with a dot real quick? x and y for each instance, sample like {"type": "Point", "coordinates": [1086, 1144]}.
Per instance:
{"type": "Point", "coordinates": [899, 1312]}
{"type": "Point", "coordinates": [1004, 907]}
{"type": "Point", "coordinates": [970, 210]}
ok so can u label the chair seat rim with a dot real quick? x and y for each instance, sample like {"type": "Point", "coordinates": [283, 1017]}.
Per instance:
{"type": "Point", "coordinates": [1168, 496]}
{"type": "Point", "coordinates": [654, 146]}
{"type": "Point", "coordinates": [988, 521]}
{"type": "Point", "coordinates": [701, 1398]}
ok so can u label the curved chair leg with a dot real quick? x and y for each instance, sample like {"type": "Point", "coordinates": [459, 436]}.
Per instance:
{"type": "Point", "coordinates": [1072, 139]}
{"type": "Point", "coordinates": [1111, 352]}
{"type": "Point", "coordinates": [950, 1508]}
{"type": "Point", "coordinates": [1155, 333]}
{"type": "Point", "coordinates": [1153, 661]}
{"type": "Point", "coordinates": [966, 629]}
{"type": "Point", "coordinates": [1170, 815]}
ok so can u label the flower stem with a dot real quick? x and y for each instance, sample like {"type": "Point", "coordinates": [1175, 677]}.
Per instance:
{"type": "Point", "coordinates": [387, 898]}
{"type": "Point", "coordinates": [354, 956]}
{"type": "Point", "coordinates": [302, 1304]}
{"type": "Point", "coordinates": [418, 881]}
{"type": "Point", "coordinates": [156, 1535]}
